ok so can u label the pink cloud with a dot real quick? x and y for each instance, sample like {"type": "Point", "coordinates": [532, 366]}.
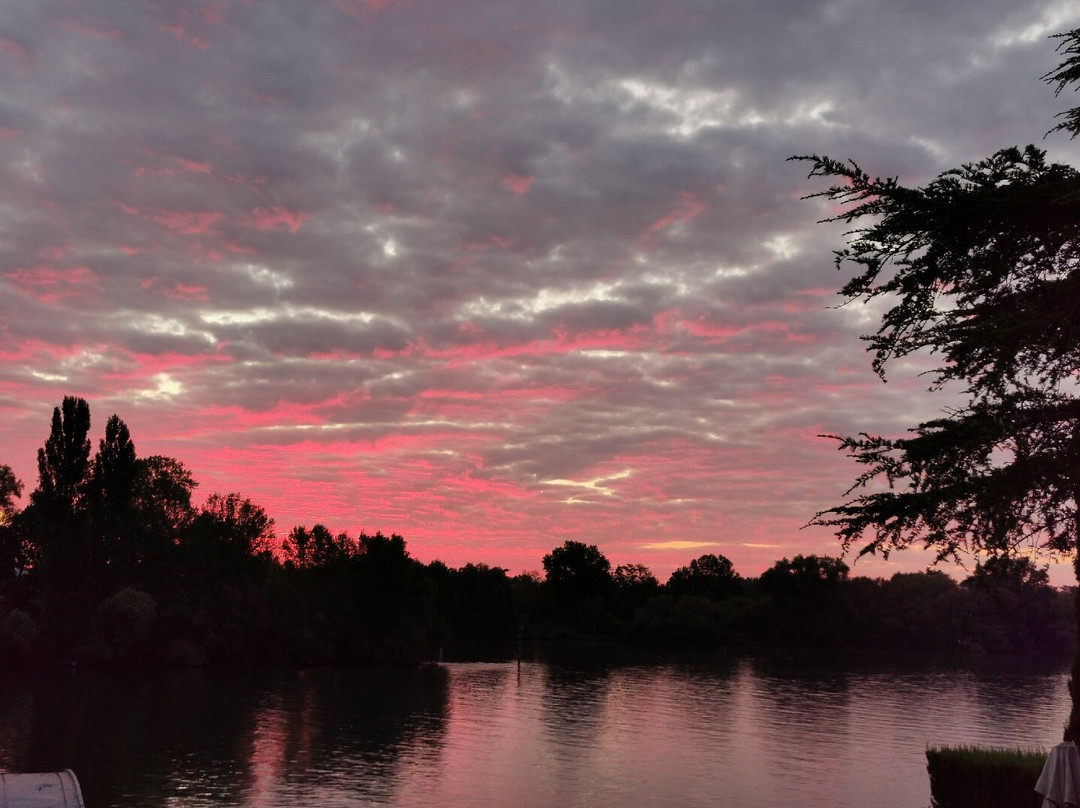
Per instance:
{"type": "Point", "coordinates": [516, 404]}
{"type": "Point", "coordinates": [187, 222]}
{"type": "Point", "coordinates": [12, 49]}
{"type": "Point", "coordinates": [388, 353]}
{"type": "Point", "coordinates": [688, 208]}
{"type": "Point", "coordinates": [203, 254]}
{"type": "Point", "coordinates": [426, 441]}
{"type": "Point", "coordinates": [253, 182]}
{"type": "Point", "coordinates": [176, 165]}
{"type": "Point", "coordinates": [549, 393]}
{"type": "Point", "coordinates": [54, 252]}
{"type": "Point", "coordinates": [816, 291]}
{"type": "Point", "coordinates": [51, 285]}
{"type": "Point", "coordinates": [182, 222]}
{"type": "Point", "coordinates": [176, 290]}
{"type": "Point", "coordinates": [560, 343]}
{"type": "Point", "coordinates": [287, 413]}
{"type": "Point", "coordinates": [469, 328]}
{"type": "Point", "coordinates": [475, 486]}
{"type": "Point", "coordinates": [180, 32]}
{"type": "Point", "coordinates": [275, 217]}
{"type": "Point", "coordinates": [158, 363]}
{"type": "Point", "coordinates": [135, 368]}
{"type": "Point", "coordinates": [231, 419]}
{"type": "Point", "coordinates": [518, 183]}
{"type": "Point", "coordinates": [186, 22]}
{"type": "Point", "coordinates": [30, 351]}
{"type": "Point", "coordinates": [712, 333]}
{"type": "Point", "coordinates": [807, 300]}
{"type": "Point", "coordinates": [702, 328]}
{"type": "Point", "coordinates": [336, 355]}
{"type": "Point", "coordinates": [184, 291]}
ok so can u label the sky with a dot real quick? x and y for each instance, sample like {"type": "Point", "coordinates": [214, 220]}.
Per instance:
{"type": "Point", "coordinates": [490, 275]}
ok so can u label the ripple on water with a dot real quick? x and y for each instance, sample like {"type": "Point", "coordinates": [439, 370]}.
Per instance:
{"type": "Point", "coordinates": [755, 731]}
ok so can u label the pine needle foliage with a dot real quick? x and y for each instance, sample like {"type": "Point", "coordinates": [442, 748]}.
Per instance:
{"type": "Point", "coordinates": [980, 270]}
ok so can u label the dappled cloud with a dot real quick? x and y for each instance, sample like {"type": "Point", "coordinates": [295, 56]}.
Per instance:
{"type": "Point", "coordinates": [490, 276]}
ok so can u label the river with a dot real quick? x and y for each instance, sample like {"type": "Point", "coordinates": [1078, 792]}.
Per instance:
{"type": "Point", "coordinates": [716, 730]}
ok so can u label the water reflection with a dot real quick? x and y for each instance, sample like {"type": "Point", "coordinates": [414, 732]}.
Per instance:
{"type": "Point", "coordinates": [721, 730]}
{"type": "Point", "coordinates": [245, 738]}
{"type": "Point", "coordinates": [477, 762]}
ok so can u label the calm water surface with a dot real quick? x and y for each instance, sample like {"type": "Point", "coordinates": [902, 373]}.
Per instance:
{"type": "Point", "coordinates": [741, 731]}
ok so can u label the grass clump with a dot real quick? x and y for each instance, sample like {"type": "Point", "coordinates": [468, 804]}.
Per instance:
{"type": "Point", "coordinates": [984, 777]}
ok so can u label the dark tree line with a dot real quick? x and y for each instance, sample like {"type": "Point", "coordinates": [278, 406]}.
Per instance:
{"type": "Point", "coordinates": [111, 561]}
{"type": "Point", "coordinates": [1005, 606]}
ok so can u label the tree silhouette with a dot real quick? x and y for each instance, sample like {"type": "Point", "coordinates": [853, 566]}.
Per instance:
{"type": "Point", "coordinates": [162, 500]}
{"type": "Point", "coordinates": [238, 524]}
{"type": "Point", "coordinates": [64, 460]}
{"type": "Point", "coordinates": [56, 515]}
{"type": "Point", "coordinates": [12, 551]}
{"type": "Point", "coordinates": [803, 575]}
{"type": "Point", "coordinates": [710, 576]}
{"type": "Point", "coordinates": [11, 489]}
{"type": "Point", "coordinates": [576, 572]}
{"type": "Point", "coordinates": [317, 547]}
{"type": "Point", "coordinates": [979, 269]}
{"type": "Point", "coordinates": [111, 498]}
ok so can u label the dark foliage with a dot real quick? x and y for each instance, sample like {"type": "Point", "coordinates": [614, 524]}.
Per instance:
{"type": "Point", "coordinates": [12, 547]}
{"type": "Point", "coordinates": [979, 270]}
{"type": "Point", "coordinates": [576, 573]}
{"type": "Point", "coordinates": [708, 576]}
{"type": "Point", "coordinates": [980, 266]}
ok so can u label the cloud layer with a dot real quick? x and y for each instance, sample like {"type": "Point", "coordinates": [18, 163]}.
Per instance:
{"type": "Point", "coordinates": [490, 275]}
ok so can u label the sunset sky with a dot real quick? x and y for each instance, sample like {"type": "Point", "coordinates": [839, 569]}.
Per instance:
{"type": "Point", "coordinates": [490, 275]}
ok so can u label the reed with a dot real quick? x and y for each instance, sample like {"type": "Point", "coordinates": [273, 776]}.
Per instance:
{"type": "Point", "coordinates": [984, 777]}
